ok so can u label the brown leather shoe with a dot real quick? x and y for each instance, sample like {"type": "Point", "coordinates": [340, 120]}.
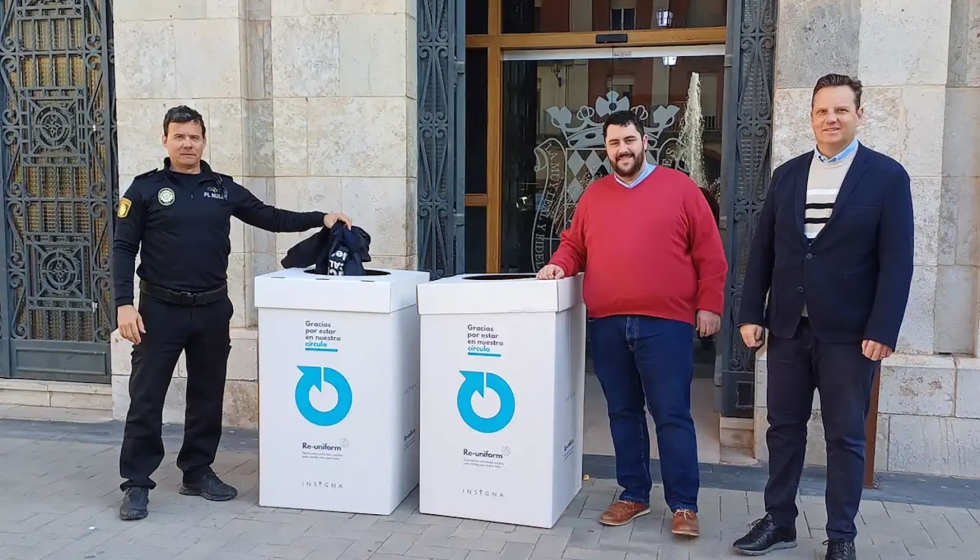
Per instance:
{"type": "Point", "coordinates": [621, 513]}
{"type": "Point", "coordinates": [686, 523]}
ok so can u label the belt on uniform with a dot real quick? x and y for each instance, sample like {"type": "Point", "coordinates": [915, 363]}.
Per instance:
{"type": "Point", "coordinates": [183, 298]}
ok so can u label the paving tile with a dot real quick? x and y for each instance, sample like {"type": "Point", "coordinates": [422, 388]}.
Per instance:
{"type": "Point", "coordinates": [326, 548]}
{"type": "Point", "coordinates": [284, 552]}
{"type": "Point", "coordinates": [74, 516]}
{"type": "Point", "coordinates": [436, 552]}
{"type": "Point", "coordinates": [549, 546]}
{"type": "Point", "coordinates": [516, 551]}
{"type": "Point", "coordinates": [523, 535]}
{"type": "Point", "coordinates": [585, 537]}
{"type": "Point", "coordinates": [572, 553]}
{"type": "Point", "coordinates": [398, 543]}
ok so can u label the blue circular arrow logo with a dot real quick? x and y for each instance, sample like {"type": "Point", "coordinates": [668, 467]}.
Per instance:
{"type": "Point", "coordinates": [313, 378]}
{"type": "Point", "coordinates": [478, 382]}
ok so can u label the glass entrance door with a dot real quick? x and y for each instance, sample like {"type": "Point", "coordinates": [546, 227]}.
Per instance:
{"type": "Point", "coordinates": [554, 105]}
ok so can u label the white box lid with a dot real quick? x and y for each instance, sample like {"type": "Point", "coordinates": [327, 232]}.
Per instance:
{"type": "Point", "coordinates": [498, 293]}
{"type": "Point", "coordinates": [295, 288]}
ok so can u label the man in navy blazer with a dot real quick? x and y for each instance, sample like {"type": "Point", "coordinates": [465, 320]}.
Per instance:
{"type": "Point", "coordinates": [833, 252]}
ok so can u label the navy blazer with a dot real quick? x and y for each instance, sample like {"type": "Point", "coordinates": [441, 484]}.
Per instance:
{"type": "Point", "coordinates": [854, 276]}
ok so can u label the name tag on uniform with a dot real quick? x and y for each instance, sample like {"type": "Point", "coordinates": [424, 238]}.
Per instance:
{"type": "Point", "coordinates": [215, 193]}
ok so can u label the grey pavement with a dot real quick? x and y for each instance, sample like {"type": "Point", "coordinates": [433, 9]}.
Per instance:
{"type": "Point", "coordinates": [59, 497]}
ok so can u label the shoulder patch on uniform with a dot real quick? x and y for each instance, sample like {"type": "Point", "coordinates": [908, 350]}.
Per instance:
{"type": "Point", "coordinates": [124, 204]}
{"type": "Point", "coordinates": [147, 174]}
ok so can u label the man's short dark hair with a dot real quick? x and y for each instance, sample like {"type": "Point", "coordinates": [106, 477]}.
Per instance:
{"type": "Point", "coordinates": [183, 114]}
{"type": "Point", "coordinates": [623, 118]}
{"type": "Point", "coordinates": [839, 80]}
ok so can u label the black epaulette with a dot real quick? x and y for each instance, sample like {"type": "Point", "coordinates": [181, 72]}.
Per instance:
{"type": "Point", "coordinates": [147, 174]}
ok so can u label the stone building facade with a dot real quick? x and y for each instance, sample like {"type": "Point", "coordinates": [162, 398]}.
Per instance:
{"type": "Point", "coordinates": [312, 104]}
{"type": "Point", "coordinates": [309, 104]}
{"type": "Point", "coordinates": [919, 62]}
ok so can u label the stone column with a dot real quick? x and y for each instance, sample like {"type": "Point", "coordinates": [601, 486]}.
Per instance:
{"type": "Point", "coordinates": [260, 167]}
{"type": "Point", "coordinates": [959, 241]}
{"type": "Point", "coordinates": [344, 110]}
{"type": "Point", "coordinates": [906, 105]}
{"type": "Point", "coordinates": [948, 445]}
{"type": "Point", "coordinates": [905, 99]}
{"type": "Point", "coordinates": [191, 53]}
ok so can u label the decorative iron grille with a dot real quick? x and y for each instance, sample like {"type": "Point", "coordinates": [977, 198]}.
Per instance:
{"type": "Point", "coordinates": [59, 184]}
{"type": "Point", "coordinates": [746, 172]}
{"type": "Point", "coordinates": [441, 99]}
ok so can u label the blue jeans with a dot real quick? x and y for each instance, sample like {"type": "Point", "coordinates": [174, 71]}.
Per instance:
{"type": "Point", "coordinates": [637, 356]}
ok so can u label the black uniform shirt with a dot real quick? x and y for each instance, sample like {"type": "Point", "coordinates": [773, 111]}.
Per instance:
{"type": "Point", "coordinates": [183, 223]}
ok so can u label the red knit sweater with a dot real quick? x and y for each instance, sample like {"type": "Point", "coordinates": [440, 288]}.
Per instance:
{"type": "Point", "coordinates": [653, 250]}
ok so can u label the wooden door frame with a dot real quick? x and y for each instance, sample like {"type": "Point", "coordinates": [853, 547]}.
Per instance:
{"type": "Point", "coordinates": [495, 42]}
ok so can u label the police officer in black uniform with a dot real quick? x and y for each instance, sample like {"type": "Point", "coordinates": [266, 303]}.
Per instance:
{"type": "Point", "coordinates": [181, 215]}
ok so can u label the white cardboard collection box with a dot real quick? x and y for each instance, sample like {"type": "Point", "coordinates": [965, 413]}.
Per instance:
{"type": "Point", "coordinates": [338, 390]}
{"type": "Point", "coordinates": [502, 394]}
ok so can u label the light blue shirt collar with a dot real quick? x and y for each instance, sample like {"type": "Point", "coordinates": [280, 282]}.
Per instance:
{"type": "Point", "coordinates": [845, 153]}
{"type": "Point", "coordinates": [646, 173]}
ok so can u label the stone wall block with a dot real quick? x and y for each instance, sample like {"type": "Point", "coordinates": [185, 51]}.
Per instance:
{"type": "Point", "coordinates": [374, 55]}
{"type": "Point", "coordinates": [917, 335]}
{"type": "Point", "coordinates": [906, 123]}
{"type": "Point", "coordinates": [913, 37]}
{"type": "Point", "coordinates": [208, 61]}
{"type": "Point", "coordinates": [379, 205]}
{"type": "Point", "coordinates": [350, 136]}
{"type": "Point", "coordinates": [925, 387]}
{"type": "Point", "coordinates": [934, 445]}
{"type": "Point", "coordinates": [968, 388]}
{"type": "Point", "coordinates": [826, 26]}
{"type": "Point", "coordinates": [306, 56]}
{"type": "Point", "coordinates": [290, 137]}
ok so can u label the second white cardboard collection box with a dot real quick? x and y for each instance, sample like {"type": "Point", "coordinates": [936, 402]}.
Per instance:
{"type": "Point", "coordinates": [502, 396]}
{"type": "Point", "coordinates": [338, 390]}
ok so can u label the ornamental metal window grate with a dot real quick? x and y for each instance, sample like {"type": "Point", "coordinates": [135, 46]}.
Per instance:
{"type": "Point", "coordinates": [441, 99]}
{"type": "Point", "coordinates": [745, 177]}
{"type": "Point", "coordinates": [59, 184]}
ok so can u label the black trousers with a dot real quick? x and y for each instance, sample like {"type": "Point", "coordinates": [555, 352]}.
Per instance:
{"type": "Point", "coordinates": [844, 378]}
{"type": "Point", "coordinates": [202, 332]}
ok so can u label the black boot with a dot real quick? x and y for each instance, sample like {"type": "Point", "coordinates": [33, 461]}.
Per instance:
{"type": "Point", "coordinates": [840, 549]}
{"type": "Point", "coordinates": [134, 503]}
{"type": "Point", "coordinates": [765, 537]}
{"type": "Point", "coordinates": [210, 488]}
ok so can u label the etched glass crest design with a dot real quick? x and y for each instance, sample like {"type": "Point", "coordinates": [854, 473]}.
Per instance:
{"type": "Point", "coordinates": [570, 162]}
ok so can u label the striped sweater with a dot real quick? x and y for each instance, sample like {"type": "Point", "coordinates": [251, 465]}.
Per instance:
{"type": "Point", "coordinates": [823, 184]}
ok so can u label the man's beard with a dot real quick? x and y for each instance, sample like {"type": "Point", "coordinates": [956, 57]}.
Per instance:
{"type": "Point", "coordinates": [626, 167]}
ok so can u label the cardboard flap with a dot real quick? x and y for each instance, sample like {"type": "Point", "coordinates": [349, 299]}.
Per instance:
{"type": "Point", "coordinates": [384, 291]}
{"type": "Point", "coordinates": [498, 293]}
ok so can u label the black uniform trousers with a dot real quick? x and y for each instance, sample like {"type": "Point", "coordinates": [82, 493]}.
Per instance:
{"type": "Point", "coordinates": [202, 332]}
{"type": "Point", "coordinates": [844, 377]}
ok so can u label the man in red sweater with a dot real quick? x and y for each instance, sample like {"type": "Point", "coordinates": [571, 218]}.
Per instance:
{"type": "Point", "coordinates": [654, 271]}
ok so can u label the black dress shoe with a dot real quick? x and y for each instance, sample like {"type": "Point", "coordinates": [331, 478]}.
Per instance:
{"type": "Point", "coordinates": [133, 506]}
{"type": "Point", "coordinates": [765, 537]}
{"type": "Point", "coordinates": [210, 488]}
{"type": "Point", "coordinates": [840, 549]}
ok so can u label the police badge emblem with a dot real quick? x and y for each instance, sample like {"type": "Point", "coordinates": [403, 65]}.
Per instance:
{"type": "Point", "coordinates": [166, 196]}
